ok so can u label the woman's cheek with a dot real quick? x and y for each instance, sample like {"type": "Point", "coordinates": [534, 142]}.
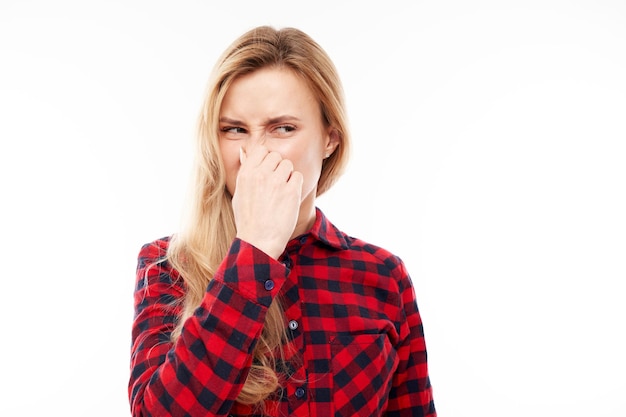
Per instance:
{"type": "Point", "coordinates": [231, 163]}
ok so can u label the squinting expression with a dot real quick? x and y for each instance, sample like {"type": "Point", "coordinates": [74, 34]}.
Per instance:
{"type": "Point", "coordinates": [274, 107]}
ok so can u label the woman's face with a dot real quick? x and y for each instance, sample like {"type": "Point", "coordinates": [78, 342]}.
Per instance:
{"type": "Point", "coordinates": [274, 107]}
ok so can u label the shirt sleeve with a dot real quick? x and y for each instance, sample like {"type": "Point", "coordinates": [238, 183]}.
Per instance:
{"type": "Point", "coordinates": [204, 371]}
{"type": "Point", "coordinates": [411, 393]}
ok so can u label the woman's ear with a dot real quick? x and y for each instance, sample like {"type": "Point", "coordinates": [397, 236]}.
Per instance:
{"type": "Point", "coordinates": [332, 141]}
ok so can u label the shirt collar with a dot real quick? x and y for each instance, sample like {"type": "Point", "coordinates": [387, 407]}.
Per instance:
{"type": "Point", "coordinates": [326, 232]}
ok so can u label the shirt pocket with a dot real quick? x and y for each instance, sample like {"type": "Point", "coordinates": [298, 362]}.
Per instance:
{"type": "Point", "coordinates": [362, 368]}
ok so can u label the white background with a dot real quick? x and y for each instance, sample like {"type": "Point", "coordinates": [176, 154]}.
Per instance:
{"type": "Point", "coordinates": [490, 149]}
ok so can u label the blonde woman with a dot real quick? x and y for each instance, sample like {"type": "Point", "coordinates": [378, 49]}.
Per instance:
{"type": "Point", "coordinates": [260, 305]}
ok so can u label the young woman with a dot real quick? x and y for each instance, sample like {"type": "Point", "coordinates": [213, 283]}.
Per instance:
{"type": "Point", "coordinates": [260, 305]}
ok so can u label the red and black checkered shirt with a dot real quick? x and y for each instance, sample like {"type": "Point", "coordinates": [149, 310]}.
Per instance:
{"type": "Point", "coordinates": [351, 314]}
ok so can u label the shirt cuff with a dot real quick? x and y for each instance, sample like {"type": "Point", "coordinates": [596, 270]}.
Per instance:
{"type": "Point", "coordinates": [252, 272]}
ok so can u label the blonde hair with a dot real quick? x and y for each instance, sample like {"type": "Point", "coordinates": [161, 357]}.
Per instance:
{"type": "Point", "coordinates": [205, 238]}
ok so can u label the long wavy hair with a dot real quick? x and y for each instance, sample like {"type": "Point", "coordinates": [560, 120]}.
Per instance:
{"type": "Point", "coordinates": [209, 227]}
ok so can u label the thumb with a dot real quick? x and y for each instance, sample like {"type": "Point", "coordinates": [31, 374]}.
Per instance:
{"type": "Point", "coordinates": [242, 155]}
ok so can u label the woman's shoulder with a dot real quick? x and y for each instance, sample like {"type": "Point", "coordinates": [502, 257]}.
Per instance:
{"type": "Point", "coordinates": [160, 243]}
{"type": "Point", "coordinates": [356, 247]}
{"type": "Point", "coordinates": [153, 265]}
{"type": "Point", "coordinates": [374, 251]}
{"type": "Point", "coordinates": [154, 251]}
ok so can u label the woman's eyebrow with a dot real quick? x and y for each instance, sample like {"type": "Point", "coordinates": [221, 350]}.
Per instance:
{"type": "Point", "coordinates": [230, 121]}
{"type": "Point", "coordinates": [272, 120]}
{"type": "Point", "coordinates": [282, 119]}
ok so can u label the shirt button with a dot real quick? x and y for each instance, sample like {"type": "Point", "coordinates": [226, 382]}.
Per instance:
{"type": "Point", "coordinates": [287, 262]}
{"type": "Point", "coordinates": [299, 392]}
{"type": "Point", "coordinates": [303, 239]}
{"type": "Point", "coordinates": [269, 285]}
{"type": "Point", "coordinates": [293, 325]}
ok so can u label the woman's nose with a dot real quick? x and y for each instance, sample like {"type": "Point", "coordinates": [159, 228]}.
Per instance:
{"type": "Point", "coordinates": [253, 140]}
{"type": "Point", "coordinates": [258, 135]}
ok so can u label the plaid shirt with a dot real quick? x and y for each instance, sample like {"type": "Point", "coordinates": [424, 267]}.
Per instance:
{"type": "Point", "coordinates": [351, 315]}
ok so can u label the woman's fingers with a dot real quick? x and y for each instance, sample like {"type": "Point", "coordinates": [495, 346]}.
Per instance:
{"type": "Point", "coordinates": [266, 200]}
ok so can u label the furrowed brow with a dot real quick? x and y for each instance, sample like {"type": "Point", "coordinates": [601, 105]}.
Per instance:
{"type": "Point", "coordinates": [230, 121]}
{"type": "Point", "coordinates": [282, 119]}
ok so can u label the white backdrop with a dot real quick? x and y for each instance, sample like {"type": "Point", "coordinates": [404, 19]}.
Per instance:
{"type": "Point", "coordinates": [489, 154]}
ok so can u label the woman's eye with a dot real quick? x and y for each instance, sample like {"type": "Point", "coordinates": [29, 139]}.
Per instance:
{"type": "Point", "coordinates": [285, 129]}
{"type": "Point", "coordinates": [233, 129]}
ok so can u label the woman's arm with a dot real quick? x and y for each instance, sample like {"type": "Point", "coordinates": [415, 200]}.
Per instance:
{"type": "Point", "coordinates": [411, 393]}
{"type": "Point", "coordinates": [204, 371]}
